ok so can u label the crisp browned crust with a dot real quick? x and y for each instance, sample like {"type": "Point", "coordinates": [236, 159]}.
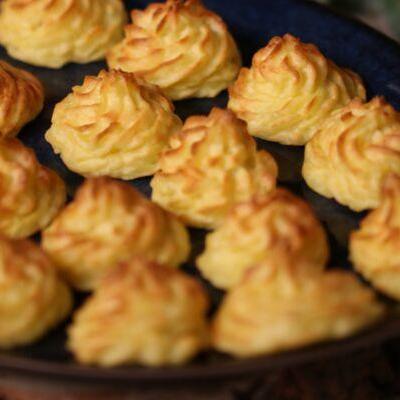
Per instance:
{"type": "Point", "coordinates": [114, 124]}
{"type": "Point", "coordinates": [181, 46]}
{"type": "Point", "coordinates": [30, 194]}
{"type": "Point", "coordinates": [375, 247]}
{"type": "Point", "coordinates": [51, 33]}
{"type": "Point", "coordinates": [290, 89]}
{"type": "Point", "coordinates": [33, 298]}
{"type": "Point", "coordinates": [260, 229]}
{"type": "Point", "coordinates": [21, 99]}
{"type": "Point", "coordinates": [284, 304]}
{"type": "Point", "coordinates": [212, 164]}
{"type": "Point", "coordinates": [107, 222]}
{"type": "Point", "coordinates": [142, 312]}
{"type": "Point", "coordinates": [352, 153]}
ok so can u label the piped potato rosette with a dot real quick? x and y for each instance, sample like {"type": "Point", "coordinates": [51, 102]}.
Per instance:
{"type": "Point", "coordinates": [114, 124]}
{"type": "Point", "coordinates": [290, 89]}
{"type": "Point", "coordinates": [180, 46]}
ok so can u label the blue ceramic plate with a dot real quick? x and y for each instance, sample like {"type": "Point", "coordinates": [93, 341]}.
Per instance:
{"type": "Point", "coordinates": [252, 22]}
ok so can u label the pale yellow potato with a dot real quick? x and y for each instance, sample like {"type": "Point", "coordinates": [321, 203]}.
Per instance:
{"type": "Point", "coordinates": [180, 46]}
{"type": "Point", "coordinates": [212, 164]}
{"type": "Point", "coordinates": [31, 195]}
{"type": "Point", "coordinates": [283, 304]}
{"type": "Point", "coordinates": [352, 153]}
{"type": "Point", "coordinates": [290, 89]}
{"type": "Point", "coordinates": [21, 99]}
{"type": "Point", "coordinates": [33, 299]}
{"type": "Point", "coordinates": [374, 247]}
{"type": "Point", "coordinates": [114, 124]}
{"type": "Point", "coordinates": [144, 313]}
{"type": "Point", "coordinates": [107, 222]}
{"type": "Point", "coordinates": [258, 230]}
{"type": "Point", "coordinates": [52, 33]}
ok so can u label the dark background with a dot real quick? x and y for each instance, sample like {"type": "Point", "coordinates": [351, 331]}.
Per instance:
{"type": "Point", "coordinates": [381, 14]}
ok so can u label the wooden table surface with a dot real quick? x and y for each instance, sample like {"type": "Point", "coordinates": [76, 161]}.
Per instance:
{"type": "Point", "coordinates": [368, 375]}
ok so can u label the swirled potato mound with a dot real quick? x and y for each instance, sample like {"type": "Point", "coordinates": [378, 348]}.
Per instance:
{"type": "Point", "coordinates": [51, 33]}
{"type": "Point", "coordinates": [21, 99]}
{"type": "Point", "coordinates": [352, 153]}
{"type": "Point", "coordinates": [144, 313]}
{"type": "Point", "coordinates": [180, 46]}
{"type": "Point", "coordinates": [374, 247]}
{"type": "Point", "coordinates": [278, 306]}
{"type": "Point", "coordinates": [212, 164]}
{"type": "Point", "coordinates": [108, 222]}
{"type": "Point", "coordinates": [290, 89]}
{"type": "Point", "coordinates": [33, 299]}
{"type": "Point", "coordinates": [260, 229]}
{"type": "Point", "coordinates": [31, 195]}
{"type": "Point", "coordinates": [115, 125]}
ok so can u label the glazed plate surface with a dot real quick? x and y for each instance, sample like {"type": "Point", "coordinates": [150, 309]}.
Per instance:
{"type": "Point", "coordinates": [253, 23]}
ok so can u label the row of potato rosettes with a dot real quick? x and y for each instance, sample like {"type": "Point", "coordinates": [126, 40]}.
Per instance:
{"type": "Point", "coordinates": [120, 125]}
{"type": "Point", "coordinates": [117, 124]}
{"type": "Point", "coordinates": [289, 95]}
{"type": "Point", "coordinates": [269, 253]}
{"type": "Point", "coordinates": [180, 46]}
